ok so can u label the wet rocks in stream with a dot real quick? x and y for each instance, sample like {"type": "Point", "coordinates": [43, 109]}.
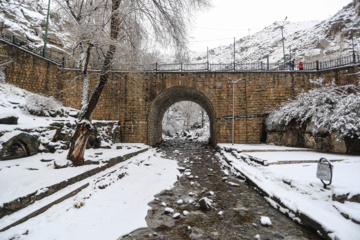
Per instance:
{"type": "Point", "coordinates": [207, 202]}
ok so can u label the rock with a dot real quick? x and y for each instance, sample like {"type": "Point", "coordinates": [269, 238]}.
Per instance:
{"type": "Point", "coordinates": [265, 221]}
{"type": "Point", "coordinates": [62, 135]}
{"type": "Point", "coordinates": [61, 164]}
{"type": "Point", "coordinates": [176, 215]}
{"type": "Point", "coordinates": [338, 145]}
{"type": "Point", "coordinates": [180, 201]}
{"type": "Point", "coordinates": [185, 213]}
{"type": "Point", "coordinates": [22, 145]}
{"type": "Point", "coordinates": [323, 43]}
{"type": "Point", "coordinates": [197, 233]}
{"type": "Point", "coordinates": [47, 160]}
{"type": "Point", "coordinates": [309, 141]}
{"type": "Point", "coordinates": [168, 210]}
{"type": "Point", "coordinates": [13, 120]}
{"type": "Point", "coordinates": [90, 162]}
{"type": "Point", "coordinates": [205, 203]}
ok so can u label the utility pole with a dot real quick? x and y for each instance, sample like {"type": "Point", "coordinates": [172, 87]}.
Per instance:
{"type": "Point", "coordinates": [207, 58]}
{"type": "Point", "coordinates": [233, 117]}
{"type": "Point", "coordinates": [46, 29]}
{"type": "Point", "coordinates": [234, 56]}
{"type": "Point", "coordinates": [353, 48]}
{"type": "Point", "coordinates": [282, 34]}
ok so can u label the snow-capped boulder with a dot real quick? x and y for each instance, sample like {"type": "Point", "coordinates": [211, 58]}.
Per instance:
{"type": "Point", "coordinates": [18, 145]}
{"type": "Point", "coordinates": [265, 221]}
{"type": "Point", "coordinates": [205, 203]}
{"type": "Point", "coordinates": [9, 119]}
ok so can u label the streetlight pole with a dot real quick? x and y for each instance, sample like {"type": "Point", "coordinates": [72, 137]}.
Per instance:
{"type": "Point", "coordinates": [233, 117]}
{"type": "Point", "coordinates": [46, 29]}
{"type": "Point", "coordinates": [282, 34]}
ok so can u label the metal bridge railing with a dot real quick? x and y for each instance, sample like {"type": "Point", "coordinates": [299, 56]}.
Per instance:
{"type": "Point", "coordinates": [186, 67]}
{"type": "Point", "coordinates": [59, 59]}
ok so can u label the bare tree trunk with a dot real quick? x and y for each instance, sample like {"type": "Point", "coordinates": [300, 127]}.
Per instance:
{"type": "Point", "coordinates": [83, 128]}
{"type": "Point", "coordinates": [78, 143]}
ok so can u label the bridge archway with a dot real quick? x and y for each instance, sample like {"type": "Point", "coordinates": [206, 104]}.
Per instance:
{"type": "Point", "coordinates": [167, 98]}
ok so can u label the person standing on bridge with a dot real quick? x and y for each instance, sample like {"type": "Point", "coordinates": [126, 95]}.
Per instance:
{"type": "Point", "coordinates": [301, 66]}
{"type": "Point", "coordinates": [292, 64]}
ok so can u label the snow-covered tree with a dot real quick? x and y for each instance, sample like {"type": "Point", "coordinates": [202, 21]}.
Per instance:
{"type": "Point", "coordinates": [332, 108]}
{"type": "Point", "coordinates": [123, 25]}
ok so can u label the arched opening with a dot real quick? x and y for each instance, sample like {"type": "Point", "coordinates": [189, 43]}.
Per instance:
{"type": "Point", "coordinates": [167, 98]}
{"type": "Point", "coordinates": [186, 120]}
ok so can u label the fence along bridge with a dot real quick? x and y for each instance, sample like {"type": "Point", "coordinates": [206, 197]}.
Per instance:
{"type": "Point", "coordinates": [185, 67]}
{"type": "Point", "coordinates": [138, 100]}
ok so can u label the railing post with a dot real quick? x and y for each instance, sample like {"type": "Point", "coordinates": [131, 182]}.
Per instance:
{"type": "Point", "coordinates": [267, 62]}
{"type": "Point", "coordinates": [317, 65]}
{"type": "Point", "coordinates": [156, 67]}
{"type": "Point", "coordinates": [354, 58]}
{"type": "Point", "coordinates": [63, 61]}
{"type": "Point", "coordinates": [181, 67]}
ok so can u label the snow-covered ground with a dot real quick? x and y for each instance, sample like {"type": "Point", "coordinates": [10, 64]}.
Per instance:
{"type": "Point", "coordinates": [97, 213]}
{"type": "Point", "coordinates": [297, 187]}
{"type": "Point", "coordinates": [20, 177]}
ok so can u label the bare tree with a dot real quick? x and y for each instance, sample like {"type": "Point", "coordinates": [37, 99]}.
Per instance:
{"type": "Point", "coordinates": [113, 25]}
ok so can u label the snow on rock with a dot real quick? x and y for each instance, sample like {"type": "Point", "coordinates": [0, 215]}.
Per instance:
{"type": "Point", "coordinates": [265, 221]}
{"type": "Point", "coordinates": [205, 203]}
{"type": "Point", "coordinates": [180, 201]}
{"type": "Point", "coordinates": [163, 204]}
{"type": "Point", "coordinates": [176, 215]}
{"type": "Point", "coordinates": [185, 213]}
{"type": "Point", "coordinates": [62, 163]}
{"type": "Point", "coordinates": [168, 210]}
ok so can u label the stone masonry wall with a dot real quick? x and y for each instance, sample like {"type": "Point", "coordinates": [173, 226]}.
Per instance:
{"type": "Point", "coordinates": [129, 97]}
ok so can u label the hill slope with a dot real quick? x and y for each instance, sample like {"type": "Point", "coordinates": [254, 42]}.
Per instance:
{"type": "Point", "coordinates": [309, 41]}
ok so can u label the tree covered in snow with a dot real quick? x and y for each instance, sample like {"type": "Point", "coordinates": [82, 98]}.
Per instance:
{"type": "Point", "coordinates": [118, 25]}
{"type": "Point", "coordinates": [330, 108]}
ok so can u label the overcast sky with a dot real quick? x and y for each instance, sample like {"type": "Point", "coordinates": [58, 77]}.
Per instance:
{"type": "Point", "coordinates": [233, 18]}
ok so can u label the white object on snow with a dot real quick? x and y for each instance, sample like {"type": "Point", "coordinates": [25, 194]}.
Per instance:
{"type": "Point", "coordinates": [265, 221]}
{"type": "Point", "coordinates": [168, 210]}
{"type": "Point", "coordinates": [185, 213]}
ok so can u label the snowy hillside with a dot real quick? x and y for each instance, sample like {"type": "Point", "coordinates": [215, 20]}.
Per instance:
{"type": "Point", "coordinates": [309, 41]}
{"type": "Point", "coordinates": [27, 20]}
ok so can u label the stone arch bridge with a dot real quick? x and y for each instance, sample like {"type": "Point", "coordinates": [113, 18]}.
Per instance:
{"type": "Point", "coordinates": [139, 100]}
